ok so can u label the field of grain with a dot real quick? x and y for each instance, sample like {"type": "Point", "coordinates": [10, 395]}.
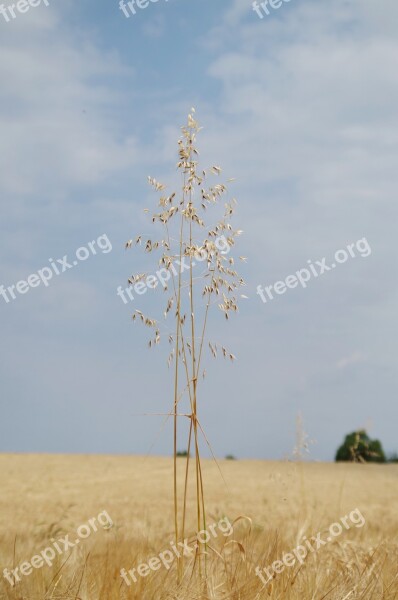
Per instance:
{"type": "Point", "coordinates": [45, 497]}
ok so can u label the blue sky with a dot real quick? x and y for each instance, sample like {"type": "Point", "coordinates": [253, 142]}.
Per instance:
{"type": "Point", "coordinates": [300, 107]}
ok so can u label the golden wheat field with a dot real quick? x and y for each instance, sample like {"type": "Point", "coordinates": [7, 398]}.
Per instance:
{"type": "Point", "coordinates": [271, 507]}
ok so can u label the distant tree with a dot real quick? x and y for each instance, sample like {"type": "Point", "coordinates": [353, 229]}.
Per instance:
{"type": "Point", "coordinates": [230, 457]}
{"type": "Point", "coordinates": [393, 458]}
{"type": "Point", "coordinates": [182, 453]}
{"type": "Point", "coordinates": [358, 447]}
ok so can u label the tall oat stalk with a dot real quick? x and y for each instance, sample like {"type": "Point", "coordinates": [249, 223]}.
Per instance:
{"type": "Point", "coordinates": [181, 214]}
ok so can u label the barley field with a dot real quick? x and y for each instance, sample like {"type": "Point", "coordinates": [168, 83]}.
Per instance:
{"type": "Point", "coordinates": [271, 507]}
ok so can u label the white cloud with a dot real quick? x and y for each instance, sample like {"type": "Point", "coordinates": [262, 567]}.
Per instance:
{"type": "Point", "coordinates": [352, 359]}
{"type": "Point", "coordinates": [58, 114]}
{"type": "Point", "coordinates": [308, 120]}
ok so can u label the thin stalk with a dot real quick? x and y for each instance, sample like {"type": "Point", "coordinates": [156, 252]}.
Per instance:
{"type": "Point", "coordinates": [199, 478]}
{"type": "Point", "coordinates": [186, 480]}
{"type": "Point", "coordinates": [178, 317]}
{"type": "Point", "coordinates": [180, 563]}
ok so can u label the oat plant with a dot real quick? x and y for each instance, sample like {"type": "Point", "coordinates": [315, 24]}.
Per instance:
{"type": "Point", "coordinates": [196, 271]}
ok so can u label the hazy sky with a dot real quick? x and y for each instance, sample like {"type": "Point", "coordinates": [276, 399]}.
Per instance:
{"type": "Point", "coordinates": [300, 107]}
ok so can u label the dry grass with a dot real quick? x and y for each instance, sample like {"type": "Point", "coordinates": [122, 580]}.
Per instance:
{"type": "Point", "coordinates": [185, 235]}
{"type": "Point", "coordinates": [48, 496]}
